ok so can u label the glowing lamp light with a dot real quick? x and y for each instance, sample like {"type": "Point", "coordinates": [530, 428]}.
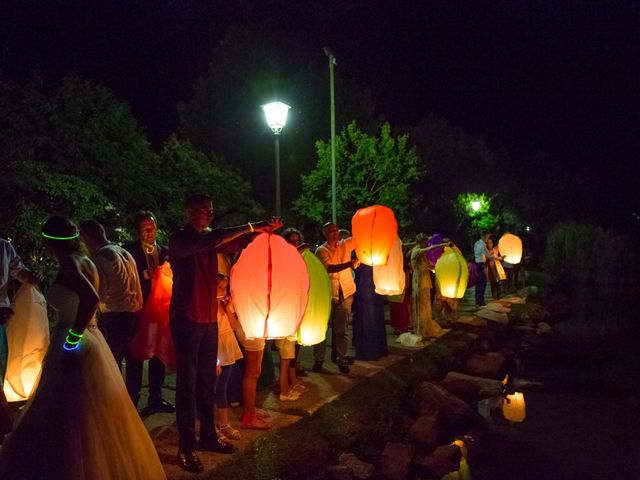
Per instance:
{"type": "Point", "coordinates": [452, 274]}
{"type": "Point", "coordinates": [475, 205]}
{"type": "Point", "coordinates": [510, 247]}
{"type": "Point", "coordinates": [313, 328]}
{"type": "Point", "coordinates": [374, 231]}
{"type": "Point", "coordinates": [389, 279]}
{"type": "Point", "coordinates": [513, 407]}
{"type": "Point", "coordinates": [276, 115]}
{"type": "Point", "coordinates": [28, 340]}
{"type": "Point", "coordinates": [269, 287]}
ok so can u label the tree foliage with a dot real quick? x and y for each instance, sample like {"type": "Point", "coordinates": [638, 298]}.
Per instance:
{"type": "Point", "coordinates": [369, 170]}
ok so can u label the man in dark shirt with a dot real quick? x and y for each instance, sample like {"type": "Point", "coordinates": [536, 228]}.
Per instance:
{"type": "Point", "coordinates": [149, 256]}
{"type": "Point", "coordinates": [193, 255]}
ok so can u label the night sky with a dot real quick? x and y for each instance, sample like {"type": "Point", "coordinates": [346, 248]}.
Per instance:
{"type": "Point", "coordinates": [560, 77]}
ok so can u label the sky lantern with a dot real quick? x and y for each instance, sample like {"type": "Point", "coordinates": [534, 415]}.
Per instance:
{"type": "Point", "coordinates": [269, 287]}
{"type": "Point", "coordinates": [389, 279]}
{"type": "Point", "coordinates": [313, 328]}
{"type": "Point", "coordinates": [514, 408]}
{"type": "Point", "coordinates": [28, 340]}
{"type": "Point", "coordinates": [510, 247]}
{"type": "Point", "coordinates": [452, 274]}
{"type": "Point", "coordinates": [374, 231]}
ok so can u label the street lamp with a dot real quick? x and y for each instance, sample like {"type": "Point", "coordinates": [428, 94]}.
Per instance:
{"type": "Point", "coordinates": [332, 62]}
{"type": "Point", "coordinates": [475, 205]}
{"type": "Point", "coordinates": [276, 115]}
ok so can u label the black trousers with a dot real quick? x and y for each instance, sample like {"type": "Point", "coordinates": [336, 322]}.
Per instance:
{"type": "Point", "coordinates": [196, 347]}
{"type": "Point", "coordinates": [134, 377]}
{"type": "Point", "coordinates": [118, 329]}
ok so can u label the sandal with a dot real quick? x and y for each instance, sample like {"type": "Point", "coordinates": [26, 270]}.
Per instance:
{"type": "Point", "coordinates": [228, 432]}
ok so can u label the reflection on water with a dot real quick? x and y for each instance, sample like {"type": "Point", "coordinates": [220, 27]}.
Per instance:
{"type": "Point", "coordinates": [602, 309]}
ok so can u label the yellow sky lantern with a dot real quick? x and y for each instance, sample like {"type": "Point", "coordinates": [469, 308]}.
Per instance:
{"type": "Point", "coordinates": [269, 287]}
{"type": "Point", "coordinates": [313, 328]}
{"type": "Point", "coordinates": [389, 279]}
{"type": "Point", "coordinates": [28, 340]}
{"type": "Point", "coordinates": [510, 247]}
{"type": "Point", "coordinates": [514, 408]}
{"type": "Point", "coordinates": [374, 231]}
{"type": "Point", "coordinates": [452, 274]}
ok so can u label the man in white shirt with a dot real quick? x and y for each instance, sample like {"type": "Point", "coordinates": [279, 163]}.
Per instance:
{"type": "Point", "coordinates": [335, 255]}
{"type": "Point", "coordinates": [481, 256]}
{"type": "Point", "coordinates": [119, 290]}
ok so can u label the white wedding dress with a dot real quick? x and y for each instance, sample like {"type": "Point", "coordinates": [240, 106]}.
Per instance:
{"type": "Point", "coordinates": [81, 423]}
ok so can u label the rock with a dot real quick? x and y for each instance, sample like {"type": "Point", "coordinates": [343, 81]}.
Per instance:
{"type": "Point", "coordinates": [497, 307]}
{"type": "Point", "coordinates": [543, 328]}
{"type": "Point", "coordinates": [492, 316]}
{"type": "Point", "coordinates": [448, 452]}
{"type": "Point", "coordinates": [430, 466]}
{"type": "Point", "coordinates": [484, 387]}
{"type": "Point", "coordinates": [471, 320]}
{"type": "Point", "coordinates": [425, 431]}
{"type": "Point", "coordinates": [513, 299]}
{"type": "Point", "coordinates": [359, 469]}
{"type": "Point", "coordinates": [339, 472]}
{"type": "Point", "coordinates": [467, 391]}
{"type": "Point", "coordinates": [489, 364]}
{"type": "Point", "coordinates": [452, 413]}
{"type": "Point", "coordinates": [395, 460]}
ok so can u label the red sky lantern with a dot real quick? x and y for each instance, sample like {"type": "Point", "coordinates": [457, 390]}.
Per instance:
{"type": "Point", "coordinates": [269, 286]}
{"type": "Point", "coordinates": [374, 231]}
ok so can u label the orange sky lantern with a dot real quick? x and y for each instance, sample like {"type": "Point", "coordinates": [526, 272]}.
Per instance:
{"type": "Point", "coordinates": [374, 231]}
{"type": "Point", "coordinates": [510, 247]}
{"type": "Point", "coordinates": [389, 279]}
{"type": "Point", "coordinates": [269, 287]}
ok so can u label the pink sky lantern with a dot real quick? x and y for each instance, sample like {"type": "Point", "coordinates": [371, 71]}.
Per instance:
{"type": "Point", "coordinates": [389, 279]}
{"type": "Point", "coordinates": [374, 231]}
{"type": "Point", "coordinates": [269, 287]}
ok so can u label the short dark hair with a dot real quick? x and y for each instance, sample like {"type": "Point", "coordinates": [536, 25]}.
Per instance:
{"type": "Point", "coordinates": [197, 199]}
{"type": "Point", "coordinates": [93, 229]}
{"type": "Point", "coordinates": [291, 230]}
{"type": "Point", "coordinates": [143, 215]}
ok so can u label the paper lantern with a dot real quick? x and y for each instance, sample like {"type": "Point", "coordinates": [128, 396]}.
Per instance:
{"type": "Point", "coordinates": [28, 339]}
{"type": "Point", "coordinates": [374, 231]}
{"type": "Point", "coordinates": [269, 287]}
{"type": "Point", "coordinates": [313, 328]}
{"type": "Point", "coordinates": [510, 247]}
{"type": "Point", "coordinates": [452, 274]}
{"type": "Point", "coordinates": [389, 279]}
{"type": "Point", "coordinates": [514, 408]}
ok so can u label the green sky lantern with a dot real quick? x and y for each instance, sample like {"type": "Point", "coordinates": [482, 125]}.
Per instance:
{"type": "Point", "coordinates": [313, 328]}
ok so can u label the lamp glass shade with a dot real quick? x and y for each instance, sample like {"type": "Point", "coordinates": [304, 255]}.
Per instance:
{"type": "Point", "coordinates": [27, 340]}
{"type": "Point", "coordinates": [510, 247]}
{"type": "Point", "coordinates": [452, 274]}
{"type": "Point", "coordinates": [514, 408]}
{"type": "Point", "coordinates": [276, 115]}
{"type": "Point", "coordinates": [389, 279]}
{"type": "Point", "coordinates": [269, 287]}
{"type": "Point", "coordinates": [374, 231]}
{"type": "Point", "coordinates": [313, 328]}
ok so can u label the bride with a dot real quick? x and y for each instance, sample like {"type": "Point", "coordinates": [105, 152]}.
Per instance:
{"type": "Point", "coordinates": [80, 424]}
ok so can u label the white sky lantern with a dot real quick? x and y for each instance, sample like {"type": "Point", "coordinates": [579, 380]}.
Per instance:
{"type": "Point", "coordinates": [510, 247]}
{"type": "Point", "coordinates": [276, 115]}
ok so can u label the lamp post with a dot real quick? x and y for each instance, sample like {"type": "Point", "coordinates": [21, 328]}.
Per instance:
{"type": "Point", "coordinates": [276, 115]}
{"type": "Point", "coordinates": [332, 62]}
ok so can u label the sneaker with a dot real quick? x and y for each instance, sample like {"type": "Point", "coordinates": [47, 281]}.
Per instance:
{"type": "Point", "coordinates": [290, 396]}
{"type": "Point", "coordinates": [228, 432]}
{"type": "Point", "coordinates": [299, 387]}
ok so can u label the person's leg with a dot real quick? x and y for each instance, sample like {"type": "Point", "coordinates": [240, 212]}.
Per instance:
{"type": "Point", "coordinates": [156, 379]}
{"type": "Point", "coordinates": [206, 382]}
{"type": "Point", "coordinates": [481, 283]}
{"type": "Point", "coordinates": [223, 426]}
{"type": "Point", "coordinates": [253, 363]}
{"type": "Point", "coordinates": [185, 339]}
{"type": "Point", "coordinates": [118, 329]}
{"type": "Point", "coordinates": [340, 324]}
{"type": "Point", "coordinates": [133, 376]}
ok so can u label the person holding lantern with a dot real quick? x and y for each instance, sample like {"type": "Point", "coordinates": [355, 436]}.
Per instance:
{"type": "Point", "coordinates": [335, 255]}
{"type": "Point", "coordinates": [422, 316]}
{"type": "Point", "coordinates": [194, 327]}
{"type": "Point", "coordinates": [80, 423]}
{"type": "Point", "coordinates": [148, 256]}
{"type": "Point", "coordinates": [481, 256]}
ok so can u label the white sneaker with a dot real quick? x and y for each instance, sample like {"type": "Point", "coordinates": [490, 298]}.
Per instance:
{"type": "Point", "coordinates": [290, 396]}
